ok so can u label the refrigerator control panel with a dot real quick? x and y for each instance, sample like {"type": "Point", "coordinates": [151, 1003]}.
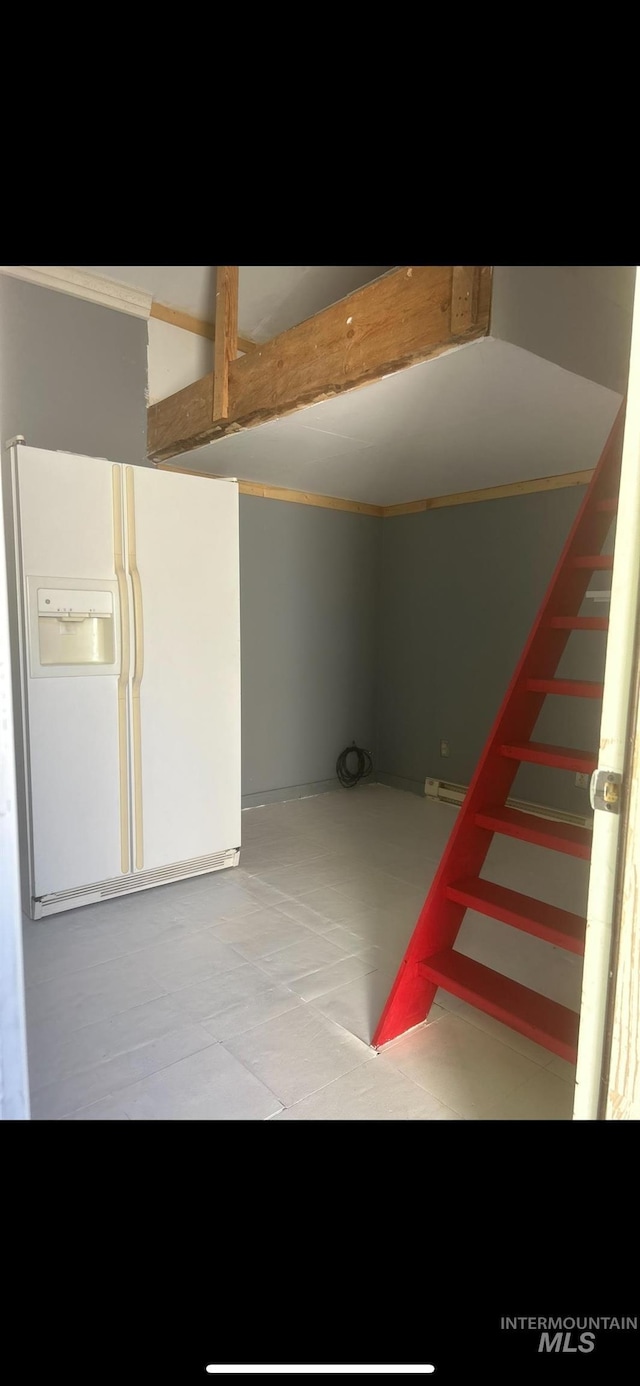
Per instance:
{"type": "Point", "coordinates": [71, 605]}
{"type": "Point", "coordinates": [72, 629]}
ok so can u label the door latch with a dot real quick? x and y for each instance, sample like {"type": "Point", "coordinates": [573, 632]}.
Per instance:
{"type": "Point", "coordinates": [605, 790]}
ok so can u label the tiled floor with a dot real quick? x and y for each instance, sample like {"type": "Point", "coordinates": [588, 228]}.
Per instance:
{"type": "Point", "coordinates": [253, 994]}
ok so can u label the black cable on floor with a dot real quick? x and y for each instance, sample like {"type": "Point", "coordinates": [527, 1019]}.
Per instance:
{"type": "Point", "coordinates": [363, 765]}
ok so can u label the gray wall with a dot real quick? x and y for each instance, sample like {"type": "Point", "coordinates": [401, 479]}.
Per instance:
{"type": "Point", "coordinates": [460, 588]}
{"type": "Point", "coordinates": [74, 374]}
{"type": "Point", "coordinates": [576, 315]}
{"type": "Point", "coordinates": [308, 601]}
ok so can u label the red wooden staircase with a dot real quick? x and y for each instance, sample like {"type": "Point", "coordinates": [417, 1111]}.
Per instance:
{"type": "Point", "coordinates": [431, 960]}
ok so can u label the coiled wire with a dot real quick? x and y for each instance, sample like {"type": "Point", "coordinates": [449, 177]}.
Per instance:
{"type": "Point", "coordinates": [347, 776]}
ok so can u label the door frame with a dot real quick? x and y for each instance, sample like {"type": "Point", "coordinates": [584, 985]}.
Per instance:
{"type": "Point", "coordinates": [606, 1038]}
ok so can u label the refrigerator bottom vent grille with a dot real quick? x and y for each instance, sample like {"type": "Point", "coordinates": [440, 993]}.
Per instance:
{"type": "Point", "coordinates": [122, 885]}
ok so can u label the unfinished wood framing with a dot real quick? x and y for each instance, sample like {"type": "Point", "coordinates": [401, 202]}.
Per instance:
{"type": "Point", "coordinates": [226, 338]}
{"type": "Point", "coordinates": [282, 493]}
{"type": "Point", "coordinates": [465, 291]}
{"type": "Point", "coordinates": [385, 512]}
{"type": "Point", "coordinates": [396, 321]}
{"type": "Point", "coordinates": [514, 488]}
{"type": "Point", "coordinates": [176, 318]}
{"type": "Point", "coordinates": [254, 488]}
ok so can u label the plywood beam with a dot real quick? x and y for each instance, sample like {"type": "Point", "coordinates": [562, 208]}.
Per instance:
{"type": "Point", "coordinates": [400, 319]}
{"type": "Point", "coordinates": [465, 292]}
{"type": "Point", "coordinates": [226, 338]}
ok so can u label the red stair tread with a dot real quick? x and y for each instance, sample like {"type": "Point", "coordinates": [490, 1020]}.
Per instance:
{"type": "Point", "coordinates": [567, 688]}
{"type": "Point", "coordinates": [563, 757]}
{"type": "Point", "coordinates": [579, 622]}
{"type": "Point", "coordinates": [544, 1021]}
{"type": "Point", "coordinates": [560, 837]}
{"type": "Point", "coordinates": [595, 561]}
{"type": "Point", "coordinates": [560, 927]}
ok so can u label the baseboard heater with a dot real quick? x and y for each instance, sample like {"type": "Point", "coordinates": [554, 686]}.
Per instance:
{"type": "Point", "coordinates": [447, 793]}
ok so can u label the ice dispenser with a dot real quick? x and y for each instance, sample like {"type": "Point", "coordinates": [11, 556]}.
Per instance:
{"type": "Point", "coordinates": [75, 627]}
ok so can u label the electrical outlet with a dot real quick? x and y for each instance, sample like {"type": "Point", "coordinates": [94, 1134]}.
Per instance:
{"type": "Point", "coordinates": [444, 748]}
{"type": "Point", "coordinates": [582, 781]}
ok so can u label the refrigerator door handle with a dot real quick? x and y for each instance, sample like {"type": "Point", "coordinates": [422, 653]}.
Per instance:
{"type": "Point", "coordinates": [123, 677]}
{"type": "Point", "coordinates": [138, 669]}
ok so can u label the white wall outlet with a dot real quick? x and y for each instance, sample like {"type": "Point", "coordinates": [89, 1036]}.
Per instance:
{"type": "Point", "coordinates": [582, 781]}
{"type": "Point", "coordinates": [444, 748]}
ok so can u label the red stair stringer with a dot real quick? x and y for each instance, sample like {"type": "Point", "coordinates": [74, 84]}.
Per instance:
{"type": "Point", "coordinates": [439, 921]}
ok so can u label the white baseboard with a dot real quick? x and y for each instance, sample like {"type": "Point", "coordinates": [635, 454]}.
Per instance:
{"type": "Point", "coordinates": [447, 793]}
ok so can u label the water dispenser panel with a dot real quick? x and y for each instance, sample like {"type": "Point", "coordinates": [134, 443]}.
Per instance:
{"type": "Point", "coordinates": [75, 627]}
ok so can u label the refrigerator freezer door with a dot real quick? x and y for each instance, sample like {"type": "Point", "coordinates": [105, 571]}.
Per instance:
{"type": "Point", "coordinates": [182, 554]}
{"type": "Point", "coordinates": [78, 817]}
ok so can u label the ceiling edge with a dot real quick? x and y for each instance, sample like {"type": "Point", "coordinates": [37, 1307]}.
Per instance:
{"type": "Point", "coordinates": [91, 287]}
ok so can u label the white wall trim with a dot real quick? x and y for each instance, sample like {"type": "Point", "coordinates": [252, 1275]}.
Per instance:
{"type": "Point", "coordinates": [92, 287]}
{"type": "Point", "coordinates": [447, 793]}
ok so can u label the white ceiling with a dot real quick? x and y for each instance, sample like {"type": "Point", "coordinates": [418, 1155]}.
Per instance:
{"type": "Point", "coordinates": [486, 414]}
{"type": "Point", "coordinates": [271, 298]}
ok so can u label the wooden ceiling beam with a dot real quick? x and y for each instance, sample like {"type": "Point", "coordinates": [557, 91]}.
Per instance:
{"type": "Point", "coordinates": [402, 318]}
{"type": "Point", "coordinates": [225, 347]}
{"type": "Point", "coordinates": [176, 318]}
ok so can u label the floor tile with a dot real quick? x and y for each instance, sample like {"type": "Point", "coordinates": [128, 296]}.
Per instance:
{"type": "Point", "coordinates": [208, 998]}
{"type": "Point", "coordinates": [465, 1068]}
{"type": "Point", "coordinates": [236, 1001]}
{"type": "Point", "coordinates": [55, 1054]}
{"type": "Point", "coordinates": [299, 1053]}
{"type": "Point", "coordinates": [106, 1078]}
{"type": "Point", "coordinates": [180, 962]}
{"type": "Point", "coordinates": [308, 955]}
{"type": "Point", "coordinates": [52, 950]}
{"type": "Point", "coordinates": [326, 979]}
{"type": "Point", "coordinates": [106, 1110]}
{"type": "Point", "coordinates": [257, 935]}
{"type": "Point", "coordinates": [299, 879]}
{"type": "Point", "coordinates": [124, 991]}
{"type": "Point", "coordinates": [208, 1086]}
{"type": "Point", "coordinates": [267, 896]}
{"type": "Point", "coordinates": [248, 1015]}
{"type": "Point", "coordinates": [373, 1092]}
{"type": "Point", "coordinates": [207, 907]}
{"type": "Point", "coordinates": [302, 914]}
{"type": "Point", "coordinates": [346, 939]}
{"type": "Point", "coordinates": [544, 1097]}
{"type": "Point", "coordinates": [327, 902]}
{"type": "Point", "coordinates": [93, 993]}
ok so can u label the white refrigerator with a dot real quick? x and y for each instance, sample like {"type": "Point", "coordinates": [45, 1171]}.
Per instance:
{"type": "Point", "coordinates": [126, 651]}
